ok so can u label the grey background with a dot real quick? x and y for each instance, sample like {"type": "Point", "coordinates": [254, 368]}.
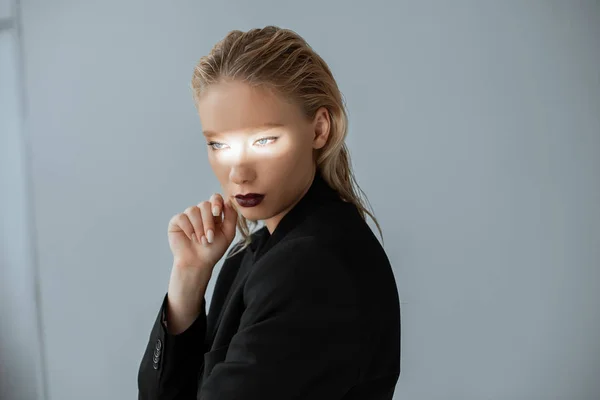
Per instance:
{"type": "Point", "coordinates": [474, 129]}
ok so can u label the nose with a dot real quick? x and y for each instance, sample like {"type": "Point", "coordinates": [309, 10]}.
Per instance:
{"type": "Point", "coordinates": [240, 175]}
{"type": "Point", "coordinates": [241, 171]}
{"type": "Point", "coordinates": [240, 163]}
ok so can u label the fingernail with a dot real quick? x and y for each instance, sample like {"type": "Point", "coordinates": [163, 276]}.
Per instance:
{"type": "Point", "coordinates": [210, 235]}
{"type": "Point", "coordinates": [215, 211]}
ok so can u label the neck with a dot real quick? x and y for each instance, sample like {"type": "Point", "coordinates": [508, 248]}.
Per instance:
{"type": "Point", "coordinates": [272, 222]}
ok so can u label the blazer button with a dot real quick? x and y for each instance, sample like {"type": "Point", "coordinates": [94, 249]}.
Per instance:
{"type": "Point", "coordinates": [156, 357]}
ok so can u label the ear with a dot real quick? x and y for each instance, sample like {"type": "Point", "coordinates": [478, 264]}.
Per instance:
{"type": "Point", "coordinates": [321, 127]}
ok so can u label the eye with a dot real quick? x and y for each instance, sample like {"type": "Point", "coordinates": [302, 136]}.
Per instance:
{"type": "Point", "coordinates": [214, 145]}
{"type": "Point", "coordinates": [265, 141]}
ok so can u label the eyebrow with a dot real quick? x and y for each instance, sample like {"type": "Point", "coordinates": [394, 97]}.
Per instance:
{"type": "Point", "coordinates": [264, 126]}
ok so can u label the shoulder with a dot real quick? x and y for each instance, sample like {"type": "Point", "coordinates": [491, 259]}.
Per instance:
{"type": "Point", "coordinates": [299, 265]}
{"type": "Point", "coordinates": [305, 252]}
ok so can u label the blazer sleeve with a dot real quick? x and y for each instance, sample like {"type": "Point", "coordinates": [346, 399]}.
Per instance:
{"type": "Point", "coordinates": [299, 335]}
{"type": "Point", "coordinates": [171, 363]}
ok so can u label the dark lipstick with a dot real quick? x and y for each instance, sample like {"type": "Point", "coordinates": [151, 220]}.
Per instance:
{"type": "Point", "coordinates": [249, 200]}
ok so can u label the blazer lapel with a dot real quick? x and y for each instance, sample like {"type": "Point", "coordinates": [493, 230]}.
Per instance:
{"type": "Point", "coordinates": [318, 193]}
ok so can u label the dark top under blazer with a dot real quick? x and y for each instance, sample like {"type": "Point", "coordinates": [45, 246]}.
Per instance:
{"type": "Point", "coordinates": [309, 312]}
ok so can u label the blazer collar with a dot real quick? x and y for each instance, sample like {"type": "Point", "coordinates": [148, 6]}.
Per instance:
{"type": "Point", "coordinates": [318, 193]}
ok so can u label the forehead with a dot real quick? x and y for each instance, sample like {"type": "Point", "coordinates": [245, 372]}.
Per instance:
{"type": "Point", "coordinates": [234, 106]}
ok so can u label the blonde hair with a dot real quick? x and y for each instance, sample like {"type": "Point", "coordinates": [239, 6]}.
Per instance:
{"type": "Point", "coordinates": [280, 59]}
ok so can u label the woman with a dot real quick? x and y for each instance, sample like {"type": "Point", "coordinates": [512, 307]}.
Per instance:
{"type": "Point", "coordinates": [305, 307]}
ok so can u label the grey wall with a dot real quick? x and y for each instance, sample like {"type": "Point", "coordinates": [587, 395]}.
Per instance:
{"type": "Point", "coordinates": [475, 131]}
{"type": "Point", "coordinates": [21, 357]}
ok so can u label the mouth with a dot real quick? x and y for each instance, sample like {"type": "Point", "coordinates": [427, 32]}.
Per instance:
{"type": "Point", "coordinates": [249, 200]}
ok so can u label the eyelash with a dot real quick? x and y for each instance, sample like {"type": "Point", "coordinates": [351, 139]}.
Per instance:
{"type": "Point", "coordinates": [211, 144]}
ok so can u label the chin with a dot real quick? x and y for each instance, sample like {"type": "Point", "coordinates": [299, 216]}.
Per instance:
{"type": "Point", "coordinates": [254, 214]}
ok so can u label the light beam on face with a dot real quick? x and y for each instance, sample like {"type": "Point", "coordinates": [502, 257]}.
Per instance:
{"type": "Point", "coordinates": [258, 143]}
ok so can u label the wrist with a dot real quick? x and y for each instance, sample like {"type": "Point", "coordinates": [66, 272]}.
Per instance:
{"type": "Point", "coordinates": [188, 285]}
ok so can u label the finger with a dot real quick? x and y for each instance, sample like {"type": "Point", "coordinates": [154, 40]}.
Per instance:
{"type": "Point", "coordinates": [217, 204]}
{"type": "Point", "coordinates": [195, 217]}
{"type": "Point", "coordinates": [208, 220]}
{"type": "Point", "coordinates": [229, 221]}
{"type": "Point", "coordinates": [181, 223]}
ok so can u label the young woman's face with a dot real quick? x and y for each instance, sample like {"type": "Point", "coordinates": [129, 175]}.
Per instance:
{"type": "Point", "coordinates": [262, 144]}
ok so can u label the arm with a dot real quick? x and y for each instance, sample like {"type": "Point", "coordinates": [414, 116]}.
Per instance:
{"type": "Point", "coordinates": [170, 365]}
{"type": "Point", "coordinates": [174, 353]}
{"type": "Point", "coordinates": [299, 335]}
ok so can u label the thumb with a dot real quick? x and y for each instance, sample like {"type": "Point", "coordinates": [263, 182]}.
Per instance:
{"type": "Point", "coordinates": [229, 221]}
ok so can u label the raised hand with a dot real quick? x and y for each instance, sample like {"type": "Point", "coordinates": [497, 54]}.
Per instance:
{"type": "Point", "coordinates": [199, 236]}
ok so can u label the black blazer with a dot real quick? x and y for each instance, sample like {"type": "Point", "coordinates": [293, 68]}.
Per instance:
{"type": "Point", "coordinates": [309, 312]}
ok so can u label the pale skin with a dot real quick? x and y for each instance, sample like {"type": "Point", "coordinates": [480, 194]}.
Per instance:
{"type": "Point", "coordinates": [259, 142]}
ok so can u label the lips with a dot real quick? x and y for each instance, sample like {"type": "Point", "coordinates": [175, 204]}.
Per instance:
{"type": "Point", "coordinates": [249, 200]}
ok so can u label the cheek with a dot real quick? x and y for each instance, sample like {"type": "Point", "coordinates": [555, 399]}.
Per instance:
{"type": "Point", "coordinates": [279, 163]}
